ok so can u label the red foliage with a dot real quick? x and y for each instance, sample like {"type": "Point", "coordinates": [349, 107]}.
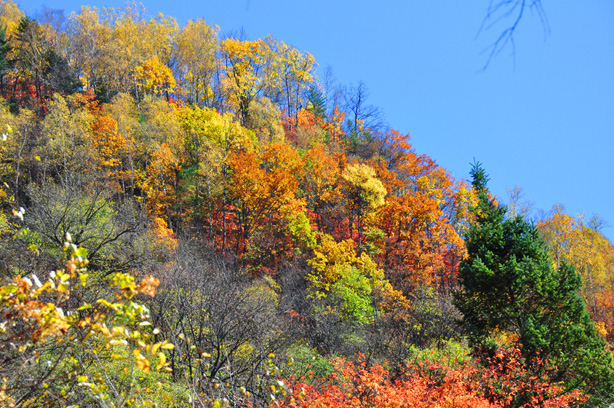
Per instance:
{"type": "Point", "coordinates": [359, 385]}
{"type": "Point", "coordinates": [505, 382]}
{"type": "Point", "coordinates": [513, 382]}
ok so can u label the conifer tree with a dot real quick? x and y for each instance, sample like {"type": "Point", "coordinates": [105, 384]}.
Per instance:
{"type": "Point", "coordinates": [316, 101]}
{"type": "Point", "coordinates": [5, 49]}
{"type": "Point", "coordinates": [509, 285]}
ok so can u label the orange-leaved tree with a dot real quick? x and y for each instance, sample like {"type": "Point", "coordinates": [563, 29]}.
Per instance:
{"type": "Point", "coordinates": [270, 219]}
{"type": "Point", "coordinates": [422, 218]}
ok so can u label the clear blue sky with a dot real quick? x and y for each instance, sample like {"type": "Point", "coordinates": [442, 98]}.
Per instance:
{"type": "Point", "coordinates": [543, 121]}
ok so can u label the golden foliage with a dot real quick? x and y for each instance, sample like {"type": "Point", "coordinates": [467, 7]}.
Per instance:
{"type": "Point", "coordinates": [155, 77]}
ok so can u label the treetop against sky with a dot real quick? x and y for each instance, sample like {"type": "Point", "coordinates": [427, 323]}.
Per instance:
{"type": "Point", "coordinates": [537, 117]}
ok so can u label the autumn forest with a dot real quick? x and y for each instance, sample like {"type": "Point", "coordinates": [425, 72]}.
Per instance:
{"type": "Point", "coordinates": [191, 219]}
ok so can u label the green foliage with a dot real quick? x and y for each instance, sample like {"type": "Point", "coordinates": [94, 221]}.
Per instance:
{"type": "Point", "coordinates": [316, 101]}
{"type": "Point", "coordinates": [353, 294]}
{"type": "Point", "coordinates": [5, 49]}
{"type": "Point", "coordinates": [349, 280]}
{"type": "Point", "coordinates": [93, 220]}
{"type": "Point", "coordinates": [61, 76]}
{"type": "Point", "coordinates": [300, 229]}
{"type": "Point", "coordinates": [265, 119]}
{"type": "Point", "coordinates": [451, 352]}
{"type": "Point", "coordinates": [305, 361]}
{"type": "Point", "coordinates": [373, 239]}
{"type": "Point", "coordinates": [509, 285]}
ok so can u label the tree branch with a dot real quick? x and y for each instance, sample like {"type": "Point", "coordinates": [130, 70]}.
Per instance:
{"type": "Point", "coordinates": [504, 10]}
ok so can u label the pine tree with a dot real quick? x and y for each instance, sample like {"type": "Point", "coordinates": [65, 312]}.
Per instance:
{"type": "Point", "coordinates": [316, 101]}
{"type": "Point", "coordinates": [510, 285]}
{"type": "Point", "coordinates": [5, 49]}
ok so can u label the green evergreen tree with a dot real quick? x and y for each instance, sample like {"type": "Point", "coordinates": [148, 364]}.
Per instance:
{"type": "Point", "coordinates": [5, 48]}
{"type": "Point", "coordinates": [509, 285]}
{"type": "Point", "coordinates": [316, 101]}
{"type": "Point", "coordinates": [59, 75]}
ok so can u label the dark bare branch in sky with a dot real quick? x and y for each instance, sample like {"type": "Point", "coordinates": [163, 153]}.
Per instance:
{"type": "Point", "coordinates": [512, 12]}
{"type": "Point", "coordinates": [358, 110]}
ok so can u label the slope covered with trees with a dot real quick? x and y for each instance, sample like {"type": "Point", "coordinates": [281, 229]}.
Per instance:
{"type": "Point", "coordinates": [225, 229]}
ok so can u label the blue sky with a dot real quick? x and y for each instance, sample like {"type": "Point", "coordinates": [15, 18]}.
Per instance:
{"type": "Point", "coordinates": [542, 120]}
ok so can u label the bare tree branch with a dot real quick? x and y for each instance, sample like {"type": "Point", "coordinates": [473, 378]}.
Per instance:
{"type": "Point", "coordinates": [505, 10]}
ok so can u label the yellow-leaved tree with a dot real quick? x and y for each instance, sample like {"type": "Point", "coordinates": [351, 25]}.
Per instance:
{"type": "Point", "coordinates": [197, 62]}
{"type": "Point", "coordinates": [70, 347]}
{"type": "Point", "coordinates": [365, 193]}
{"type": "Point", "coordinates": [210, 139]}
{"type": "Point", "coordinates": [244, 62]}
{"type": "Point", "coordinates": [350, 284]}
{"type": "Point", "coordinates": [155, 78]}
{"type": "Point", "coordinates": [574, 241]}
{"type": "Point", "coordinates": [288, 73]}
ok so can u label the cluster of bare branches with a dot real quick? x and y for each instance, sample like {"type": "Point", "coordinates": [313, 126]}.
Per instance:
{"type": "Point", "coordinates": [512, 11]}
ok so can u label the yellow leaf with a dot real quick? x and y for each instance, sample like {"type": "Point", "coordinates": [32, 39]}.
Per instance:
{"type": "Point", "coordinates": [155, 348]}
{"type": "Point", "coordinates": [162, 362]}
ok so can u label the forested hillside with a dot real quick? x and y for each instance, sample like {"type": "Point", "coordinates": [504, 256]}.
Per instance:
{"type": "Point", "coordinates": [192, 220]}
